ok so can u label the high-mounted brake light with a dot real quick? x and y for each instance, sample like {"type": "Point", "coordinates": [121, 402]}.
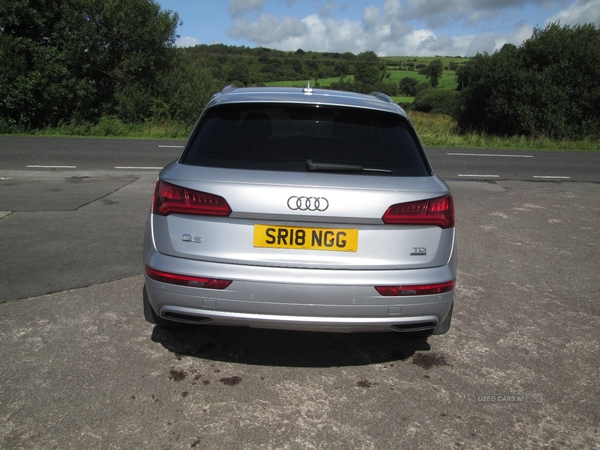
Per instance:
{"type": "Point", "coordinates": [171, 199]}
{"type": "Point", "coordinates": [437, 211]}
{"type": "Point", "coordinates": [420, 289]}
{"type": "Point", "coordinates": [186, 280]}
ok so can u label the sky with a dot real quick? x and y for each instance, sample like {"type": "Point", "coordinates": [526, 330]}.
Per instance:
{"type": "Point", "coordinates": [387, 27]}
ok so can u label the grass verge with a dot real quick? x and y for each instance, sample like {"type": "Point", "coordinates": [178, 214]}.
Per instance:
{"type": "Point", "coordinates": [114, 127]}
{"type": "Point", "coordinates": [435, 130]}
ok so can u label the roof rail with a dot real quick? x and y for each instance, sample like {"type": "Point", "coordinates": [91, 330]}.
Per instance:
{"type": "Point", "coordinates": [383, 97]}
{"type": "Point", "coordinates": [228, 89]}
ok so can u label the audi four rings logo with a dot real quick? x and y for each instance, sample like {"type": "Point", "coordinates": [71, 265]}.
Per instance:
{"type": "Point", "coordinates": [307, 203]}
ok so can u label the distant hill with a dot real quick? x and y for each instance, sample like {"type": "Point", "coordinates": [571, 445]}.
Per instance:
{"type": "Point", "coordinates": [262, 66]}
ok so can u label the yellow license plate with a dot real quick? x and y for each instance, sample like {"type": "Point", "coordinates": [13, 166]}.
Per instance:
{"type": "Point", "coordinates": [331, 239]}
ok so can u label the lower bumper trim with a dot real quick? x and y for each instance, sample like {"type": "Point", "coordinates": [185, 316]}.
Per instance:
{"type": "Point", "coordinates": [304, 323]}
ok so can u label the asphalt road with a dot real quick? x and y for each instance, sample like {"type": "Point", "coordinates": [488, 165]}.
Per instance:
{"type": "Point", "coordinates": [77, 154]}
{"type": "Point", "coordinates": [82, 369]}
{"type": "Point", "coordinates": [44, 153]}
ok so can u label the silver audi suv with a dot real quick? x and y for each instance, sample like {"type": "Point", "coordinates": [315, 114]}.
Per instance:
{"type": "Point", "coordinates": [303, 209]}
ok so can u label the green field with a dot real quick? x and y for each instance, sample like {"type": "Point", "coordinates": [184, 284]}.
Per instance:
{"type": "Point", "coordinates": [324, 82]}
{"type": "Point", "coordinates": [447, 81]}
{"type": "Point", "coordinates": [395, 74]}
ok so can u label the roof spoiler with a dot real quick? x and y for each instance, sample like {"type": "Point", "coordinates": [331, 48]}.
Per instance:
{"type": "Point", "coordinates": [383, 97]}
{"type": "Point", "coordinates": [228, 89]}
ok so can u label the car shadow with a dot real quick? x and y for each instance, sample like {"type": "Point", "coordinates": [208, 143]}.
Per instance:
{"type": "Point", "coordinates": [287, 348]}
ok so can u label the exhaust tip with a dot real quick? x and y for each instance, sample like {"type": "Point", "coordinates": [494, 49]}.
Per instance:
{"type": "Point", "coordinates": [187, 318]}
{"type": "Point", "coordinates": [408, 327]}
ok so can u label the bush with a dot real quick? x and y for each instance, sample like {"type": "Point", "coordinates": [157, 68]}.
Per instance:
{"type": "Point", "coordinates": [342, 85]}
{"type": "Point", "coordinates": [423, 87]}
{"type": "Point", "coordinates": [549, 86]}
{"type": "Point", "coordinates": [390, 89]}
{"type": "Point", "coordinates": [408, 85]}
{"type": "Point", "coordinates": [435, 101]}
{"type": "Point", "coordinates": [433, 71]}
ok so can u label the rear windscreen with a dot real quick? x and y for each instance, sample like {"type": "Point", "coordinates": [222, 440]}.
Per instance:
{"type": "Point", "coordinates": [305, 137]}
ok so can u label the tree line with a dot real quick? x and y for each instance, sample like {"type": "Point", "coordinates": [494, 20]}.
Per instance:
{"type": "Point", "coordinates": [79, 60]}
{"type": "Point", "coordinates": [74, 61]}
{"type": "Point", "coordinates": [549, 86]}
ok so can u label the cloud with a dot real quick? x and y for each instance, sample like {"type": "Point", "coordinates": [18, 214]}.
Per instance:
{"type": "Point", "coordinates": [521, 34]}
{"type": "Point", "coordinates": [185, 41]}
{"type": "Point", "coordinates": [382, 33]}
{"type": "Point", "coordinates": [328, 8]}
{"type": "Point", "coordinates": [392, 7]}
{"type": "Point", "coordinates": [400, 27]}
{"type": "Point", "coordinates": [325, 35]}
{"type": "Point", "coordinates": [440, 13]}
{"type": "Point", "coordinates": [238, 8]}
{"type": "Point", "coordinates": [426, 43]}
{"type": "Point", "coordinates": [582, 11]}
{"type": "Point", "coordinates": [267, 29]}
{"type": "Point", "coordinates": [370, 17]}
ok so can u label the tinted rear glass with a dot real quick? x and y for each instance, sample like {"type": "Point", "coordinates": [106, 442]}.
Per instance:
{"type": "Point", "coordinates": [285, 137]}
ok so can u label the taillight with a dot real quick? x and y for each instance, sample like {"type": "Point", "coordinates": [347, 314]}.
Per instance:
{"type": "Point", "coordinates": [419, 289]}
{"type": "Point", "coordinates": [437, 211]}
{"type": "Point", "coordinates": [185, 280]}
{"type": "Point", "coordinates": [170, 199]}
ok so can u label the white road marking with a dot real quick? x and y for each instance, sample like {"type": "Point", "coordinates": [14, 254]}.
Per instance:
{"type": "Point", "coordinates": [170, 146]}
{"type": "Point", "coordinates": [51, 167]}
{"type": "Point", "coordinates": [139, 168]}
{"type": "Point", "coordinates": [479, 176]}
{"type": "Point", "coordinates": [551, 177]}
{"type": "Point", "coordinates": [489, 154]}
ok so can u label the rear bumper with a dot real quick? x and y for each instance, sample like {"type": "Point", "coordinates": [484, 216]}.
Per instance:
{"type": "Point", "coordinates": [299, 299]}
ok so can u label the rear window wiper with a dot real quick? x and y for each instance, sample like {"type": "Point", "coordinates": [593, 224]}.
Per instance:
{"type": "Point", "coordinates": [312, 166]}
